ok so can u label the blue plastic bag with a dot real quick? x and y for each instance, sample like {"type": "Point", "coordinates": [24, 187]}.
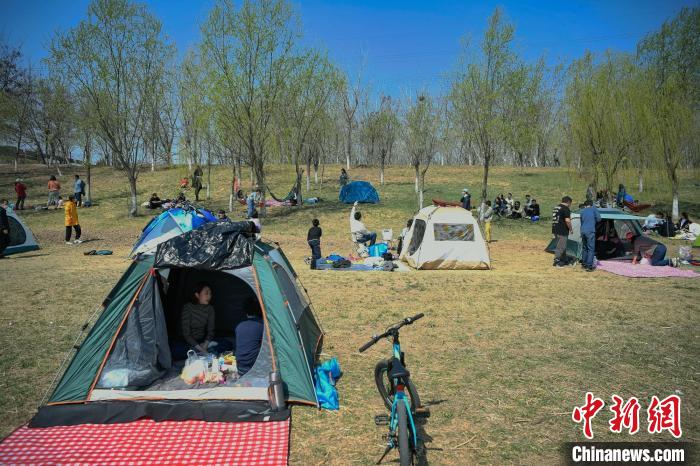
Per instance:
{"type": "Point", "coordinates": [377, 250]}
{"type": "Point", "coordinates": [325, 375]}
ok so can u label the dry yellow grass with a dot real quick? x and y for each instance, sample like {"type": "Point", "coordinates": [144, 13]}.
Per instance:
{"type": "Point", "coordinates": [502, 356]}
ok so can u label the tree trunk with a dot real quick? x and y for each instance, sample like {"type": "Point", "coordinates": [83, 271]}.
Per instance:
{"type": "Point", "coordinates": [153, 161]}
{"type": "Point", "coordinates": [87, 154]}
{"type": "Point", "coordinates": [134, 207]}
{"type": "Point", "coordinates": [260, 177]}
{"type": "Point", "coordinates": [485, 185]}
{"type": "Point", "coordinates": [420, 190]}
{"type": "Point", "coordinates": [208, 175]}
{"type": "Point", "coordinates": [308, 175]}
{"type": "Point", "coordinates": [232, 194]}
{"type": "Point", "coordinates": [415, 178]}
{"type": "Point", "coordinates": [381, 172]}
{"type": "Point", "coordinates": [674, 210]}
{"type": "Point", "coordinates": [640, 183]}
{"type": "Point", "coordinates": [349, 152]}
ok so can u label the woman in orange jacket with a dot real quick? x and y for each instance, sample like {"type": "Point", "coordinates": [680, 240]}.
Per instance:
{"type": "Point", "coordinates": [71, 211]}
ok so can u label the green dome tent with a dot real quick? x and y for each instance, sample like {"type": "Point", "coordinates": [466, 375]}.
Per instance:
{"type": "Point", "coordinates": [142, 311]}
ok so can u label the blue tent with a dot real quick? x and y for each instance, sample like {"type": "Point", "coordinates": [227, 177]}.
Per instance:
{"type": "Point", "coordinates": [173, 222]}
{"type": "Point", "coordinates": [360, 191]}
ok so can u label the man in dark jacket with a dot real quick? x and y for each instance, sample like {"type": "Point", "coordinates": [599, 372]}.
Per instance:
{"type": "Point", "coordinates": [4, 228]}
{"type": "Point", "coordinates": [561, 228]}
{"type": "Point", "coordinates": [466, 199]}
{"type": "Point", "coordinates": [589, 219]}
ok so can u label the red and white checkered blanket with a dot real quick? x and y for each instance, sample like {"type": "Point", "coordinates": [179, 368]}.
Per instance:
{"type": "Point", "coordinates": [146, 442]}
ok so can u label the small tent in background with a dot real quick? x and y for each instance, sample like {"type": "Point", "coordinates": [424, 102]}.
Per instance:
{"type": "Point", "coordinates": [613, 229]}
{"type": "Point", "coordinates": [359, 191]}
{"type": "Point", "coordinates": [123, 371]}
{"type": "Point", "coordinates": [21, 237]}
{"type": "Point", "coordinates": [445, 238]}
{"type": "Point", "coordinates": [171, 223]}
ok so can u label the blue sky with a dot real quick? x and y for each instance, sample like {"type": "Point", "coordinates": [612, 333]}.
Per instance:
{"type": "Point", "coordinates": [396, 46]}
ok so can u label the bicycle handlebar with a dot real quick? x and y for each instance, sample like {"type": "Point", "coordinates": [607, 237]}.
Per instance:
{"type": "Point", "coordinates": [390, 330]}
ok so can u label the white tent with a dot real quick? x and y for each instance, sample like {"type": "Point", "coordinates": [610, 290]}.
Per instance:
{"type": "Point", "coordinates": [445, 238]}
{"type": "Point", "coordinates": [21, 237]}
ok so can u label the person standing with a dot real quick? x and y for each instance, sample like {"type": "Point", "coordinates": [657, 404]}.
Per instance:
{"type": "Point", "coordinates": [72, 222]}
{"type": "Point", "coordinates": [488, 216]}
{"type": "Point", "coordinates": [78, 191]}
{"type": "Point", "coordinates": [197, 181]}
{"type": "Point", "coordinates": [252, 201]}
{"type": "Point", "coordinates": [466, 200]}
{"type": "Point", "coordinates": [313, 237]}
{"type": "Point", "coordinates": [21, 191]}
{"type": "Point", "coordinates": [561, 227]}
{"type": "Point", "coordinates": [344, 178]}
{"type": "Point", "coordinates": [4, 228]}
{"type": "Point", "coordinates": [589, 219]}
{"type": "Point", "coordinates": [54, 191]}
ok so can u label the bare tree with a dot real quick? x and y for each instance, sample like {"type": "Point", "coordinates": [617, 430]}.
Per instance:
{"type": "Point", "coordinates": [115, 57]}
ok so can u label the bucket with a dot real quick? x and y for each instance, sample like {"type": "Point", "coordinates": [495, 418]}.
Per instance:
{"type": "Point", "coordinates": [387, 234]}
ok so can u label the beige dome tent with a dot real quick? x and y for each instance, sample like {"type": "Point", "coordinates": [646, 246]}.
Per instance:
{"type": "Point", "coordinates": [445, 238]}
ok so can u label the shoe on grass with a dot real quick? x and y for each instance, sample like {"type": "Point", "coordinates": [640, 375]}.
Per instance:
{"type": "Point", "coordinates": [77, 241]}
{"type": "Point", "coordinates": [68, 242]}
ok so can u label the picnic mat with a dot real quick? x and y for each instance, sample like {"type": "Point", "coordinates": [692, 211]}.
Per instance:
{"type": "Point", "coordinates": [626, 269]}
{"type": "Point", "coordinates": [146, 442]}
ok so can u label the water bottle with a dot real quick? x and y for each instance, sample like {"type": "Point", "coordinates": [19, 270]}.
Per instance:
{"type": "Point", "coordinates": [276, 392]}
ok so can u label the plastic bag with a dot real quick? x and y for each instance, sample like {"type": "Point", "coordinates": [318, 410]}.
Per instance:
{"type": "Point", "coordinates": [195, 369]}
{"type": "Point", "coordinates": [325, 375]}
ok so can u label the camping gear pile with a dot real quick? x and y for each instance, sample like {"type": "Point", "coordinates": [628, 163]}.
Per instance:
{"type": "Point", "coordinates": [383, 262]}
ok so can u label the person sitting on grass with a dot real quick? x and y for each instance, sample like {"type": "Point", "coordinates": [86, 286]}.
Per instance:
{"type": "Point", "coordinates": [197, 325]}
{"type": "Point", "coordinates": [221, 216]}
{"type": "Point", "coordinates": [358, 229]}
{"type": "Point", "coordinates": [249, 334]}
{"type": "Point", "coordinates": [517, 211]}
{"type": "Point", "coordinates": [155, 202]}
{"type": "Point", "coordinates": [72, 223]}
{"type": "Point", "coordinates": [644, 247]}
{"type": "Point", "coordinates": [533, 212]}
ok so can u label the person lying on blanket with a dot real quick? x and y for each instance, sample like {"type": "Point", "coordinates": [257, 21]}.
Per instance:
{"type": "Point", "coordinates": [648, 248]}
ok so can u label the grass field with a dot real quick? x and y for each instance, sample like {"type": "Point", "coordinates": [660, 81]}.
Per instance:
{"type": "Point", "coordinates": [502, 356]}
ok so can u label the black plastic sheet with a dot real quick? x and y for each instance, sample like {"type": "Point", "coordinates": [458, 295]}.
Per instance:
{"type": "Point", "coordinates": [214, 246]}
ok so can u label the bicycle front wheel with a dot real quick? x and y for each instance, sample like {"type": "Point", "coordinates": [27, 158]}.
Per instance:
{"type": "Point", "coordinates": [405, 450]}
{"type": "Point", "coordinates": [385, 387]}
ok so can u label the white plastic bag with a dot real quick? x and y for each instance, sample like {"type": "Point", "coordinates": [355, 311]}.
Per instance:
{"type": "Point", "coordinates": [195, 369]}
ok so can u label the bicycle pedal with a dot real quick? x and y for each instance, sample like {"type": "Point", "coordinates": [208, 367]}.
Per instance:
{"type": "Point", "coordinates": [423, 412]}
{"type": "Point", "coordinates": [381, 419]}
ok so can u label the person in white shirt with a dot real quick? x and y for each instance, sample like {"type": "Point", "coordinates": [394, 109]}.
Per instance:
{"type": "Point", "coordinates": [359, 230]}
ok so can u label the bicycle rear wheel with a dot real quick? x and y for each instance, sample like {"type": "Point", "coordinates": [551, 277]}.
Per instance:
{"type": "Point", "coordinates": [405, 449]}
{"type": "Point", "coordinates": [386, 389]}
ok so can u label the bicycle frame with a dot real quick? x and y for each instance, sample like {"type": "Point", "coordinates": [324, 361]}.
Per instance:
{"type": "Point", "coordinates": [400, 397]}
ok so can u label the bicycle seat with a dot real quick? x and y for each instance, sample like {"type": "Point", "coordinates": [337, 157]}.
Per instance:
{"type": "Point", "coordinates": [398, 371]}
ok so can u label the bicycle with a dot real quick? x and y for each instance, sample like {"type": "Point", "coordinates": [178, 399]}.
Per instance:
{"type": "Point", "coordinates": [399, 395]}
